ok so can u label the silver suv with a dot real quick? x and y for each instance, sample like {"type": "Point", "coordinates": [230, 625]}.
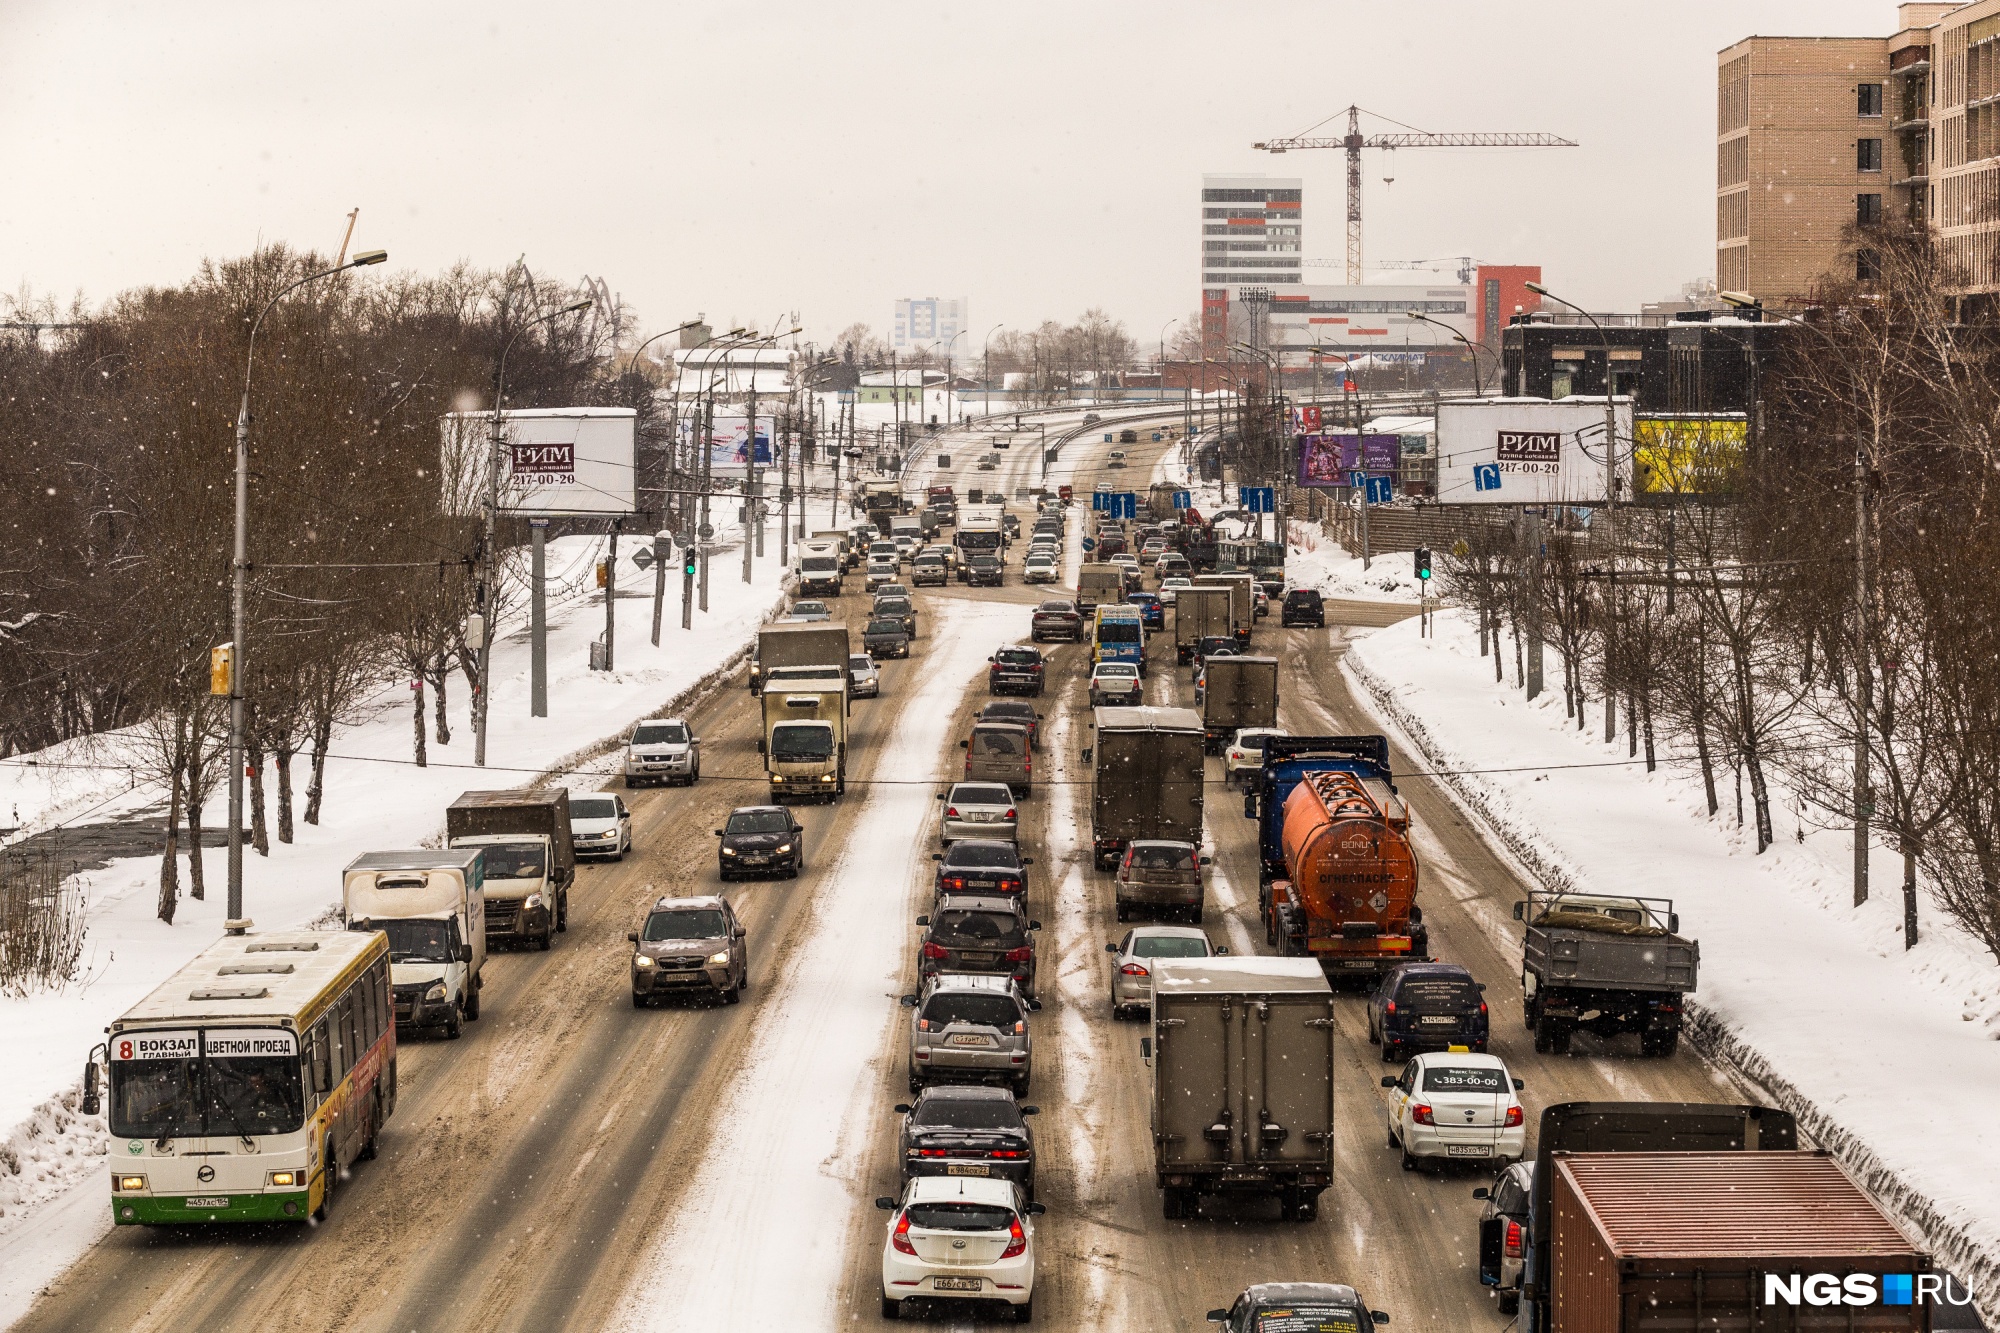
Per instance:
{"type": "Point", "coordinates": [978, 810]}
{"type": "Point", "coordinates": [690, 945]}
{"type": "Point", "coordinates": [968, 1028]}
{"type": "Point", "coordinates": [662, 749]}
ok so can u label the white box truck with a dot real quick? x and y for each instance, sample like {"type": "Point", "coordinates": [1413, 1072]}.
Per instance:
{"type": "Point", "coordinates": [432, 906]}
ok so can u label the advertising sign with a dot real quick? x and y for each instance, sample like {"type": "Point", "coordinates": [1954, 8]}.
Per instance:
{"type": "Point", "coordinates": [1529, 451]}
{"type": "Point", "coordinates": [553, 461]}
{"type": "Point", "coordinates": [729, 444]}
{"type": "Point", "coordinates": [1325, 460]}
{"type": "Point", "coordinates": [1687, 455]}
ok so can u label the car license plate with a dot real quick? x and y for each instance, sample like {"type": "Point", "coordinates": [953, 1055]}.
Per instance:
{"type": "Point", "coordinates": [981, 883]}
{"type": "Point", "coordinates": [977, 957]}
{"type": "Point", "coordinates": [967, 1039]}
{"type": "Point", "coordinates": [967, 1169]}
{"type": "Point", "coordinates": [207, 1201]}
{"type": "Point", "coordinates": [955, 1284]}
{"type": "Point", "coordinates": [1467, 1150]}
{"type": "Point", "coordinates": [755, 860]}
{"type": "Point", "coordinates": [1435, 1021]}
{"type": "Point", "coordinates": [982, 816]}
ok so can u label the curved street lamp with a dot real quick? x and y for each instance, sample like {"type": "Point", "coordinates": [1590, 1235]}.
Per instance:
{"type": "Point", "coordinates": [1478, 384]}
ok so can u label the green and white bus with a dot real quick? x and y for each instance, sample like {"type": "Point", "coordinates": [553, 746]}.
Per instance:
{"type": "Point", "coordinates": [243, 1086]}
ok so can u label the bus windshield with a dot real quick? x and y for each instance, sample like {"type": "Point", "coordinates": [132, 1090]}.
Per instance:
{"type": "Point", "coordinates": [1118, 631]}
{"type": "Point", "coordinates": [205, 1097]}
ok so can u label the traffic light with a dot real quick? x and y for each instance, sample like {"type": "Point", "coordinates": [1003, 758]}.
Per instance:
{"type": "Point", "coordinates": [687, 561]}
{"type": "Point", "coordinates": [1423, 563]}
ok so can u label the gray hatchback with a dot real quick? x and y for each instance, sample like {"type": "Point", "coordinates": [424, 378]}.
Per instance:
{"type": "Point", "coordinates": [690, 946]}
{"type": "Point", "coordinates": [970, 1028]}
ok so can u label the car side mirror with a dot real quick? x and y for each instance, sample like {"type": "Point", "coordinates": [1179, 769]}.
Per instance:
{"type": "Point", "coordinates": [465, 953]}
{"type": "Point", "coordinates": [91, 1103]}
{"type": "Point", "coordinates": [1218, 1316]}
{"type": "Point", "coordinates": [694, 740]}
{"type": "Point", "coordinates": [1520, 911]}
{"type": "Point", "coordinates": [965, 745]}
{"type": "Point", "coordinates": [1221, 951]}
{"type": "Point", "coordinates": [1089, 752]}
{"type": "Point", "coordinates": [886, 1204]}
{"type": "Point", "coordinates": [1034, 925]}
{"type": "Point", "coordinates": [1031, 1110]}
{"type": "Point", "coordinates": [923, 921]}
{"type": "Point", "coordinates": [901, 1108]}
{"type": "Point", "coordinates": [937, 856]}
{"type": "Point", "coordinates": [1388, 1080]}
{"type": "Point", "coordinates": [1519, 1086]}
{"type": "Point", "coordinates": [718, 833]}
{"type": "Point", "coordinates": [1110, 946]}
{"type": "Point", "coordinates": [1027, 860]}
{"type": "Point", "coordinates": [940, 796]}
{"type": "Point", "coordinates": [1482, 1193]}
{"type": "Point", "coordinates": [1208, 860]}
{"type": "Point", "coordinates": [1146, 1049]}
{"type": "Point", "coordinates": [1481, 985]}
{"type": "Point", "coordinates": [1037, 1209]}
{"type": "Point", "coordinates": [908, 1001]}
{"type": "Point", "coordinates": [632, 935]}
{"type": "Point", "coordinates": [1378, 1316]}
{"type": "Point", "coordinates": [1034, 1006]}
{"type": "Point", "coordinates": [739, 933]}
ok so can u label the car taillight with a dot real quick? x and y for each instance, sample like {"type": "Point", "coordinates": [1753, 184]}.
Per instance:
{"type": "Point", "coordinates": [951, 812]}
{"type": "Point", "coordinates": [934, 950]}
{"type": "Point", "coordinates": [923, 1025]}
{"type": "Point", "coordinates": [1389, 1008]}
{"type": "Point", "coordinates": [1028, 764]}
{"type": "Point", "coordinates": [1006, 1152]}
{"type": "Point", "coordinates": [1513, 1116]}
{"type": "Point", "coordinates": [1482, 1008]}
{"type": "Point", "coordinates": [1020, 955]}
{"type": "Point", "coordinates": [954, 881]}
{"type": "Point", "coordinates": [1020, 1027]}
{"type": "Point", "coordinates": [1017, 1242]}
{"type": "Point", "coordinates": [1134, 970]}
{"type": "Point", "coordinates": [1036, 667]}
{"type": "Point", "coordinates": [1513, 1240]}
{"type": "Point", "coordinates": [1010, 813]}
{"type": "Point", "coordinates": [1422, 1114]}
{"type": "Point", "coordinates": [900, 1237]}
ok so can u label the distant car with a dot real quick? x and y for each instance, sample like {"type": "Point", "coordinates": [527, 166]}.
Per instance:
{"type": "Point", "coordinates": [969, 1028]}
{"type": "Point", "coordinates": [879, 573]}
{"type": "Point", "coordinates": [985, 571]}
{"type": "Point", "coordinates": [1117, 458]}
{"type": "Point", "coordinates": [930, 571]}
{"type": "Point", "coordinates": [1128, 436]}
{"type": "Point", "coordinates": [662, 749]}
{"type": "Point", "coordinates": [1102, 488]}
{"type": "Point", "coordinates": [894, 590]}
{"type": "Point", "coordinates": [865, 675]}
{"type": "Point", "coordinates": [1172, 567]}
{"type": "Point", "coordinates": [1160, 878]}
{"type": "Point", "coordinates": [1110, 544]}
{"type": "Point", "coordinates": [1116, 683]}
{"type": "Point", "coordinates": [1245, 753]}
{"type": "Point", "coordinates": [1152, 614]}
{"type": "Point", "coordinates": [990, 865]}
{"type": "Point", "coordinates": [811, 611]}
{"type": "Point", "coordinates": [1456, 1104]}
{"type": "Point", "coordinates": [1016, 669]}
{"type": "Point", "coordinates": [1132, 961]}
{"type": "Point", "coordinates": [600, 825]}
{"type": "Point", "coordinates": [978, 810]}
{"type": "Point", "coordinates": [886, 636]}
{"type": "Point", "coordinates": [955, 1239]}
{"type": "Point", "coordinates": [1427, 1007]}
{"type": "Point", "coordinates": [689, 945]}
{"type": "Point", "coordinates": [1213, 645]}
{"type": "Point", "coordinates": [760, 840]}
{"type": "Point", "coordinates": [899, 606]}
{"type": "Point", "coordinates": [1016, 711]}
{"type": "Point", "coordinates": [1506, 1210]}
{"type": "Point", "coordinates": [1091, 418]}
{"type": "Point", "coordinates": [1057, 618]}
{"type": "Point", "coordinates": [1171, 586]}
{"type": "Point", "coordinates": [1039, 569]}
{"type": "Point", "coordinates": [978, 933]}
{"type": "Point", "coordinates": [1272, 1306]}
{"type": "Point", "coordinates": [1303, 607]}
{"type": "Point", "coordinates": [1262, 606]}
{"type": "Point", "coordinates": [906, 545]}
{"type": "Point", "coordinates": [1152, 548]}
{"type": "Point", "coordinates": [885, 548]}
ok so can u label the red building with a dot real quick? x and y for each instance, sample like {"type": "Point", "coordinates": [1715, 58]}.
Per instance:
{"type": "Point", "coordinates": [1501, 291]}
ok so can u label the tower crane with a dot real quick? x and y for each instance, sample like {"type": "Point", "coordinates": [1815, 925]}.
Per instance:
{"type": "Point", "coordinates": [1354, 141]}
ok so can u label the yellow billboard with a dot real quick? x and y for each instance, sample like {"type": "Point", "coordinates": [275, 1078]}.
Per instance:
{"type": "Point", "coordinates": [1687, 454]}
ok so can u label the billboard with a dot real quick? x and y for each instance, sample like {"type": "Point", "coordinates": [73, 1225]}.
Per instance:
{"type": "Point", "coordinates": [554, 461]}
{"type": "Point", "coordinates": [1326, 460]}
{"type": "Point", "coordinates": [1688, 454]}
{"type": "Point", "coordinates": [1530, 451]}
{"type": "Point", "coordinates": [729, 444]}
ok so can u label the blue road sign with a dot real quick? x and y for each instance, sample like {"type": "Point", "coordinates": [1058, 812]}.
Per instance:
{"type": "Point", "coordinates": [1380, 491]}
{"type": "Point", "coordinates": [1183, 500]}
{"type": "Point", "coordinates": [1124, 504]}
{"type": "Point", "coordinates": [1090, 543]}
{"type": "Point", "coordinates": [1486, 476]}
{"type": "Point", "coordinates": [1100, 499]}
{"type": "Point", "coordinates": [1257, 499]}
{"type": "Point", "coordinates": [1357, 478]}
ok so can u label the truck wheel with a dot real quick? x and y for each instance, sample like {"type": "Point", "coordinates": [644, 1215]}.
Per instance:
{"type": "Point", "coordinates": [562, 911]}
{"type": "Point", "coordinates": [472, 1000]}
{"type": "Point", "coordinates": [1551, 1036]}
{"type": "Point", "coordinates": [1531, 1013]}
{"type": "Point", "coordinates": [454, 1025]}
{"type": "Point", "coordinates": [329, 1172]}
{"type": "Point", "coordinates": [1661, 1046]}
{"type": "Point", "coordinates": [547, 941]}
{"type": "Point", "coordinates": [1178, 1203]}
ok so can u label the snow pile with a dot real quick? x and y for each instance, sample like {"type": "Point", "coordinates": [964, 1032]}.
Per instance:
{"type": "Point", "coordinates": [1315, 560]}
{"type": "Point", "coordinates": [1886, 1056]}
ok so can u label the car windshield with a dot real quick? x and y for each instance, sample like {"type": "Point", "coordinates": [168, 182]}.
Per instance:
{"type": "Point", "coordinates": [966, 794]}
{"type": "Point", "coordinates": [1308, 1319]}
{"type": "Point", "coordinates": [995, 742]}
{"type": "Point", "coordinates": [1169, 946]}
{"type": "Point", "coordinates": [798, 744]}
{"type": "Point", "coordinates": [416, 941]}
{"type": "Point", "coordinates": [758, 821]}
{"type": "Point", "coordinates": [819, 564]}
{"type": "Point", "coordinates": [1056, 608]}
{"type": "Point", "coordinates": [964, 854]}
{"type": "Point", "coordinates": [809, 608]}
{"type": "Point", "coordinates": [1438, 995]}
{"type": "Point", "coordinates": [686, 923]}
{"type": "Point", "coordinates": [1041, 560]}
{"type": "Point", "coordinates": [971, 929]}
{"type": "Point", "coordinates": [200, 1096]}
{"type": "Point", "coordinates": [985, 561]}
{"type": "Point", "coordinates": [1163, 857]}
{"type": "Point", "coordinates": [1018, 655]}
{"type": "Point", "coordinates": [861, 662]}
{"type": "Point", "coordinates": [983, 1009]}
{"type": "Point", "coordinates": [660, 733]}
{"type": "Point", "coordinates": [891, 606]}
{"type": "Point", "coordinates": [1252, 743]}
{"type": "Point", "coordinates": [960, 1216]}
{"type": "Point", "coordinates": [1120, 669]}
{"type": "Point", "coordinates": [516, 860]}
{"type": "Point", "coordinates": [967, 1113]}
{"type": "Point", "coordinates": [593, 807]}
{"type": "Point", "coordinates": [1458, 1078]}
{"type": "Point", "coordinates": [885, 626]}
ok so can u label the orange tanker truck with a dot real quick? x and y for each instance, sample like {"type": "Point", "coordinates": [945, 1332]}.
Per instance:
{"type": "Point", "coordinates": [1341, 875]}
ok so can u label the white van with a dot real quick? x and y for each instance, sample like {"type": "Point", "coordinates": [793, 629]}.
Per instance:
{"type": "Point", "coordinates": [432, 906]}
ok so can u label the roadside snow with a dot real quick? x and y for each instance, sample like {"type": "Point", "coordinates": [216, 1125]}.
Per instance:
{"type": "Point", "coordinates": [1886, 1056]}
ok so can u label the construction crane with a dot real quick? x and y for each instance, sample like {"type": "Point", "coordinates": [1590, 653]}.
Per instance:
{"type": "Point", "coordinates": [1354, 141]}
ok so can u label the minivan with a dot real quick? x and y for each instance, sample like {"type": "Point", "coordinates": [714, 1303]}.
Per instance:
{"type": "Point", "coordinates": [999, 752]}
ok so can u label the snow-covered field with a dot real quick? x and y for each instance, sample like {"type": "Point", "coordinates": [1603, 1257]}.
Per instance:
{"type": "Point", "coordinates": [376, 798]}
{"type": "Point", "coordinates": [1889, 1058]}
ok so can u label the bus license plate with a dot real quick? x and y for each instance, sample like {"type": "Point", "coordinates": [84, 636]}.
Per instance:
{"type": "Point", "coordinates": [206, 1201]}
{"type": "Point", "coordinates": [967, 1169]}
{"type": "Point", "coordinates": [955, 1284]}
{"type": "Point", "coordinates": [1467, 1150]}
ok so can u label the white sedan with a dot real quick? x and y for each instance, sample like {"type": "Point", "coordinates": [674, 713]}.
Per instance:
{"type": "Point", "coordinates": [1116, 683]}
{"type": "Point", "coordinates": [1170, 588]}
{"type": "Point", "coordinates": [1246, 753]}
{"type": "Point", "coordinates": [1456, 1104]}
{"type": "Point", "coordinates": [960, 1238]}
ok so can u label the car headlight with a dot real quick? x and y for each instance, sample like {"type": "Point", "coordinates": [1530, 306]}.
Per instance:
{"type": "Point", "coordinates": [435, 993]}
{"type": "Point", "coordinates": [827, 777]}
{"type": "Point", "coordinates": [782, 850]}
{"type": "Point", "coordinates": [731, 851]}
{"type": "Point", "coordinates": [641, 960]}
{"type": "Point", "coordinates": [720, 958]}
{"type": "Point", "coordinates": [531, 902]}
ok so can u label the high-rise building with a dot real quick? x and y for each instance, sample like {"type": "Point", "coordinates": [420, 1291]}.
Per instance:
{"type": "Point", "coordinates": [928, 324]}
{"type": "Point", "coordinates": [1250, 237]}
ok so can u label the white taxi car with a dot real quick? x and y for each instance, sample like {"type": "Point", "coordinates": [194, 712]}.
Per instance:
{"type": "Point", "coordinates": [1456, 1104]}
{"type": "Point", "coordinates": [960, 1238]}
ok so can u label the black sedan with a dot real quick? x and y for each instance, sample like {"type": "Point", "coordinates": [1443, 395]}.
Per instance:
{"type": "Point", "coordinates": [983, 866]}
{"type": "Point", "coordinates": [967, 1131]}
{"type": "Point", "coordinates": [761, 840]}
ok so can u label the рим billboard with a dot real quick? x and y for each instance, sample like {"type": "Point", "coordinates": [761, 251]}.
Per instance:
{"type": "Point", "coordinates": [1326, 460]}
{"type": "Point", "coordinates": [553, 461]}
{"type": "Point", "coordinates": [1531, 451]}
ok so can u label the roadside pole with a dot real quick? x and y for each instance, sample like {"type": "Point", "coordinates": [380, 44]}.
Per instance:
{"type": "Point", "coordinates": [538, 620]}
{"type": "Point", "coordinates": [1532, 516]}
{"type": "Point", "coordinates": [662, 543]}
{"type": "Point", "coordinates": [611, 594]}
{"type": "Point", "coordinates": [705, 531]}
{"type": "Point", "coordinates": [1864, 679]}
{"type": "Point", "coordinates": [750, 484]}
{"type": "Point", "coordinates": [784, 463]}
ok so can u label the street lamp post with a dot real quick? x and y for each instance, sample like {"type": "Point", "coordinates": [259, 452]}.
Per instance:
{"type": "Point", "coordinates": [1478, 384]}
{"type": "Point", "coordinates": [239, 575]}
{"type": "Point", "coordinates": [986, 362]}
{"type": "Point", "coordinates": [539, 658]}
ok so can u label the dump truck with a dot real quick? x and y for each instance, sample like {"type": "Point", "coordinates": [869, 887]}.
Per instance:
{"type": "Point", "coordinates": [1199, 613]}
{"type": "Point", "coordinates": [1098, 584]}
{"type": "Point", "coordinates": [1146, 776]}
{"type": "Point", "coordinates": [1242, 601]}
{"type": "Point", "coordinates": [1242, 1053]}
{"type": "Point", "coordinates": [804, 740]}
{"type": "Point", "coordinates": [1780, 1240]}
{"type": "Point", "coordinates": [797, 645]}
{"type": "Point", "coordinates": [1336, 869]}
{"type": "Point", "coordinates": [1605, 963]}
{"type": "Point", "coordinates": [432, 906]}
{"type": "Point", "coordinates": [530, 860]}
{"type": "Point", "coordinates": [1238, 692]}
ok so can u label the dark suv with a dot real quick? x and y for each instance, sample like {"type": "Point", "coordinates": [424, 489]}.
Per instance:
{"type": "Point", "coordinates": [1057, 617]}
{"type": "Point", "coordinates": [1303, 606]}
{"type": "Point", "coordinates": [985, 571]}
{"type": "Point", "coordinates": [961, 1131]}
{"type": "Point", "coordinates": [677, 951]}
{"type": "Point", "coordinates": [1271, 1306]}
{"type": "Point", "coordinates": [761, 840]}
{"type": "Point", "coordinates": [1013, 710]}
{"type": "Point", "coordinates": [979, 933]}
{"type": "Point", "coordinates": [1427, 1007]}
{"type": "Point", "coordinates": [1015, 670]}
{"type": "Point", "coordinates": [983, 866]}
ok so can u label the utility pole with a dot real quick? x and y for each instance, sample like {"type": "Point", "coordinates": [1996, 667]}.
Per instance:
{"type": "Point", "coordinates": [611, 594]}
{"type": "Point", "coordinates": [538, 618]}
{"type": "Point", "coordinates": [1864, 681]}
{"type": "Point", "coordinates": [1532, 521]}
{"type": "Point", "coordinates": [750, 482]}
{"type": "Point", "coordinates": [703, 533]}
{"type": "Point", "coordinates": [662, 544]}
{"type": "Point", "coordinates": [784, 463]}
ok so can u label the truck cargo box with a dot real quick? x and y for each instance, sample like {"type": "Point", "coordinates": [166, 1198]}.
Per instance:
{"type": "Point", "coordinates": [1240, 692]}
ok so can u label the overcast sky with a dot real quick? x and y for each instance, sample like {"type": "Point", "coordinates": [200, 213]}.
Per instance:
{"type": "Point", "coordinates": [746, 160]}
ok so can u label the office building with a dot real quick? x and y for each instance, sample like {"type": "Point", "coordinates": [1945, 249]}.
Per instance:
{"type": "Point", "coordinates": [1251, 236]}
{"type": "Point", "coordinates": [928, 325]}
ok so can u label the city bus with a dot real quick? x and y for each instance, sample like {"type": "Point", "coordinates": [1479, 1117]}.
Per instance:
{"type": "Point", "coordinates": [1118, 635]}
{"type": "Point", "coordinates": [243, 1086]}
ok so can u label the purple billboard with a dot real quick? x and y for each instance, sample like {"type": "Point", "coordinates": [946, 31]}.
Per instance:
{"type": "Point", "coordinates": [1326, 460]}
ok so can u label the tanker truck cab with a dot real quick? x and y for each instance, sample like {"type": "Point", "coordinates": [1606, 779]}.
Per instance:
{"type": "Point", "coordinates": [432, 906]}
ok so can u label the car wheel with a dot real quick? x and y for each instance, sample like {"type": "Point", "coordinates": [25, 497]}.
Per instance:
{"type": "Point", "coordinates": [733, 995]}
{"type": "Point", "coordinates": [1394, 1142]}
{"type": "Point", "coordinates": [1409, 1162]}
{"type": "Point", "coordinates": [638, 1000]}
{"type": "Point", "coordinates": [1392, 1051]}
{"type": "Point", "coordinates": [1510, 1302]}
{"type": "Point", "coordinates": [1194, 914]}
{"type": "Point", "coordinates": [1024, 1313]}
{"type": "Point", "coordinates": [891, 1308]}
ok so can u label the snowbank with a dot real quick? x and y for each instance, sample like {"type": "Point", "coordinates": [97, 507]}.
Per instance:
{"type": "Point", "coordinates": [1886, 1056]}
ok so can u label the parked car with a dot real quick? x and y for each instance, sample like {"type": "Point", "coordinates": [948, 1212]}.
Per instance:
{"type": "Point", "coordinates": [886, 636]}
{"type": "Point", "coordinates": [1303, 607]}
{"type": "Point", "coordinates": [970, 1028]}
{"type": "Point", "coordinates": [1132, 961]}
{"type": "Point", "coordinates": [983, 865]}
{"type": "Point", "coordinates": [999, 752]}
{"type": "Point", "coordinates": [978, 933]}
{"type": "Point", "coordinates": [1056, 618]}
{"type": "Point", "coordinates": [1116, 683]}
{"type": "Point", "coordinates": [1018, 669]}
{"type": "Point", "coordinates": [930, 571]}
{"type": "Point", "coordinates": [954, 1239]}
{"type": "Point", "coordinates": [1160, 878]}
{"type": "Point", "coordinates": [760, 840]}
{"type": "Point", "coordinates": [1427, 1007]}
{"type": "Point", "coordinates": [1456, 1104]}
{"type": "Point", "coordinates": [1016, 711]}
{"type": "Point", "coordinates": [896, 605]}
{"type": "Point", "coordinates": [1297, 1305]}
{"type": "Point", "coordinates": [687, 946]}
{"type": "Point", "coordinates": [1508, 1202]}
{"type": "Point", "coordinates": [978, 810]}
{"type": "Point", "coordinates": [662, 749]}
{"type": "Point", "coordinates": [1152, 614]}
{"type": "Point", "coordinates": [811, 611]}
{"type": "Point", "coordinates": [864, 677]}
{"type": "Point", "coordinates": [1246, 753]}
{"type": "Point", "coordinates": [967, 1131]}
{"type": "Point", "coordinates": [985, 571]}
{"type": "Point", "coordinates": [1171, 585]}
{"type": "Point", "coordinates": [600, 825]}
